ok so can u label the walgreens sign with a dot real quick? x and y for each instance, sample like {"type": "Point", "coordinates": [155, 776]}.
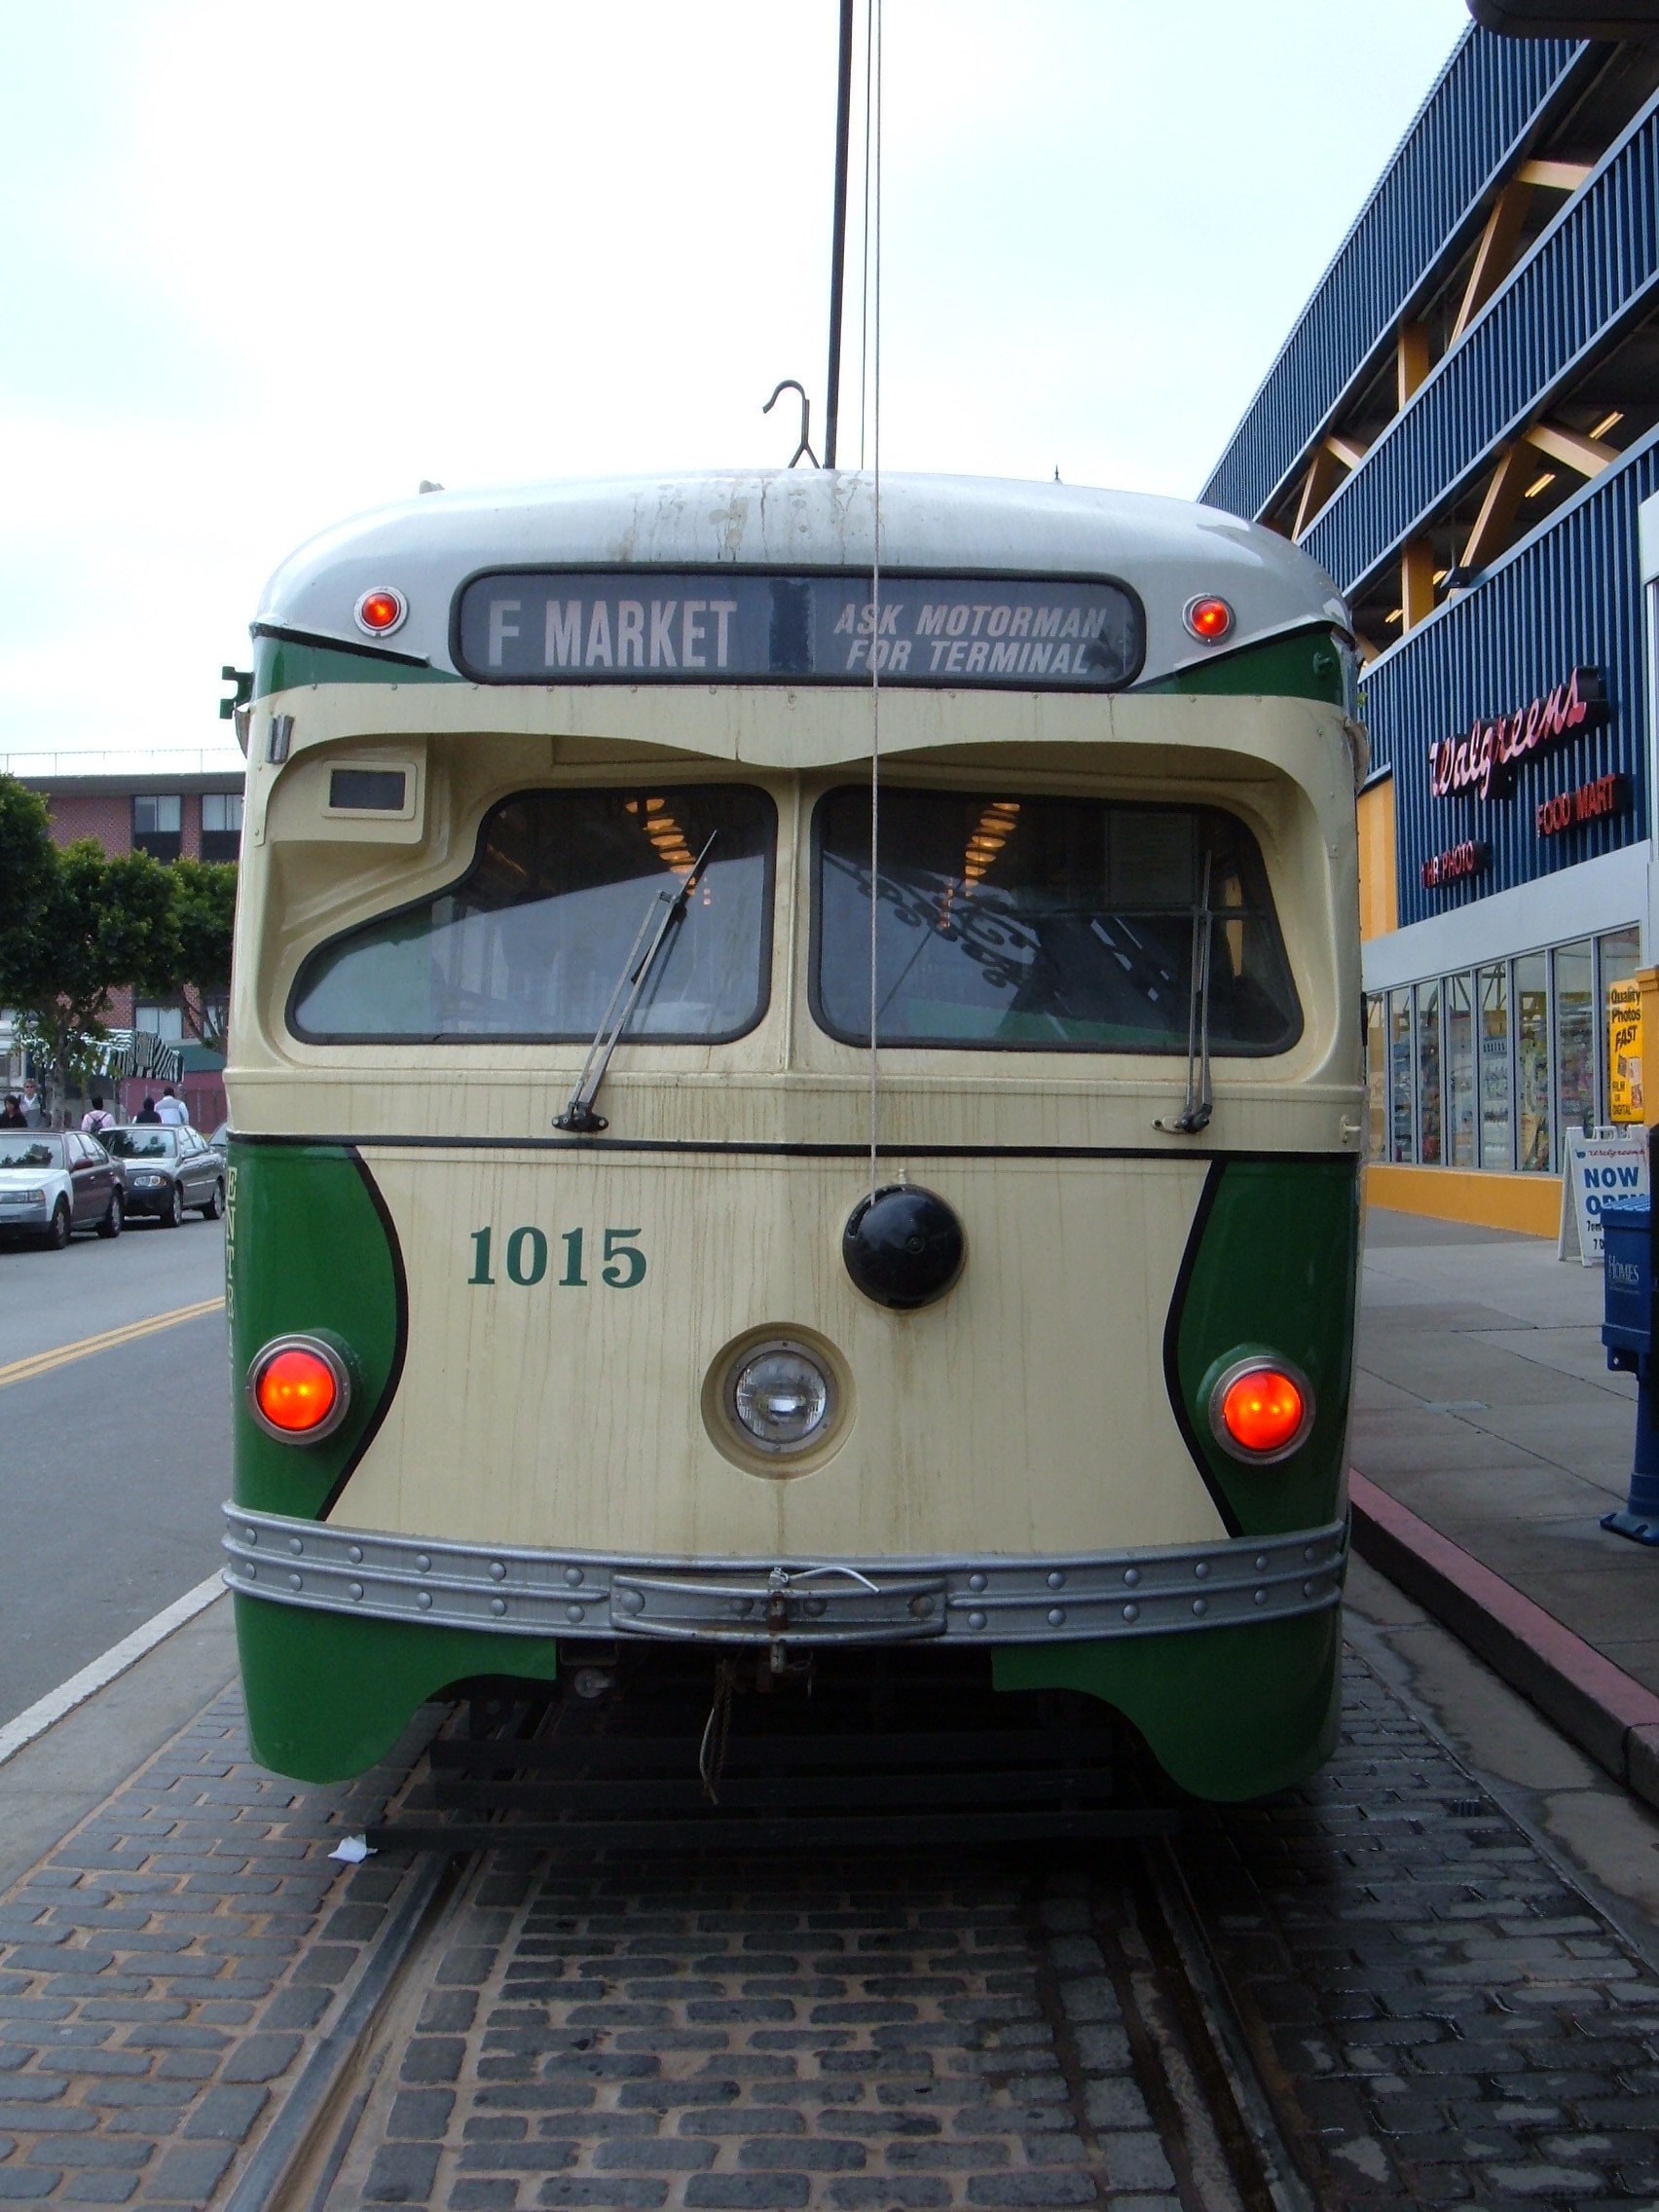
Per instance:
{"type": "Point", "coordinates": [1484, 761]}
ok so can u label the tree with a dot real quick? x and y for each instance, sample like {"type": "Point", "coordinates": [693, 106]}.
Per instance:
{"type": "Point", "coordinates": [78, 925]}
{"type": "Point", "coordinates": [28, 860]}
{"type": "Point", "coordinates": [204, 913]}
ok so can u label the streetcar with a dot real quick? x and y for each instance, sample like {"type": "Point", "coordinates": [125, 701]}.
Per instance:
{"type": "Point", "coordinates": [795, 1094]}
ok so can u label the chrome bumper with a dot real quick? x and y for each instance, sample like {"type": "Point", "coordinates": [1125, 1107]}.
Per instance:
{"type": "Point", "coordinates": [991, 1600]}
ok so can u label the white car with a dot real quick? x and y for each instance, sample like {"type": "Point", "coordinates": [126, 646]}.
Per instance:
{"type": "Point", "coordinates": [54, 1182]}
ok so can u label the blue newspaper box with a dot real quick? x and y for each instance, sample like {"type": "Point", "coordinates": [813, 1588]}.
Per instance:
{"type": "Point", "coordinates": [1626, 1331]}
{"type": "Point", "coordinates": [1627, 1307]}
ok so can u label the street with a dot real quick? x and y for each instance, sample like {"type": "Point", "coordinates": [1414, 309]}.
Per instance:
{"type": "Point", "coordinates": [116, 1460]}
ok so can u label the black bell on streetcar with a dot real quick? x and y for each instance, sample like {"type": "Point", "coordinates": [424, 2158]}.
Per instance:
{"type": "Point", "coordinates": [903, 1247]}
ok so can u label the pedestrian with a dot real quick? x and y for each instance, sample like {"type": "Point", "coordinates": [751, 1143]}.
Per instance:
{"type": "Point", "coordinates": [32, 1103]}
{"type": "Point", "coordinates": [96, 1120]}
{"type": "Point", "coordinates": [172, 1111]}
{"type": "Point", "coordinates": [11, 1113]}
{"type": "Point", "coordinates": [147, 1112]}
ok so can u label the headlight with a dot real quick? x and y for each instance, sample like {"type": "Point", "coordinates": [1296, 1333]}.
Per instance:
{"type": "Point", "coordinates": [32, 1197]}
{"type": "Point", "coordinates": [781, 1397]}
{"type": "Point", "coordinates": [148, 1182]}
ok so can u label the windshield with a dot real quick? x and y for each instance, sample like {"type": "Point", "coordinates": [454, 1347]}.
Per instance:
{"type": "Point", "coordinates": [31, 1152]}
{"type": "Point", "coordinates": [528, 944]}
{"type": "Point", "coordinates": [140, 1143]}
{"type": "Point", "coordinates": [1045, 924]}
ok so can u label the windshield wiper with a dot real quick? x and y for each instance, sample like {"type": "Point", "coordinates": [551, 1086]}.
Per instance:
{"type": "Point", "coordinates": [579, 1116]}
{"type": "Point", "coordinates": [1194, 1114]}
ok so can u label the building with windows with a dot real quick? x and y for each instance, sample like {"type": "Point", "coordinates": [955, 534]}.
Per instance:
{"type": "Point", "coordinates": [1463, 428]}
{"type": "Point", "coordinates": [189, 806]}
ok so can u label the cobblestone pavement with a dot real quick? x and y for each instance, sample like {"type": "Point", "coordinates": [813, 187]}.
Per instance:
{"type": "Point", "coordinates": [1439, 2015]}
{"type": "Point", "coordinates": [792, 2037]}
{"type": "Point", "coordinates": [1436, 2008]}
{"type": "Point", "coordinates": [161, 1969]}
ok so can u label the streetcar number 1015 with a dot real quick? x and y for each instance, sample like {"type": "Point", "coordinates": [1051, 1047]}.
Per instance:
{"type": "Point", "coordinates": [527, 1251]}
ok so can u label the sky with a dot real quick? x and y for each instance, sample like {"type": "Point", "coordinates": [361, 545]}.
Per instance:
{"type": "Point", "coordinates": [263, 268]}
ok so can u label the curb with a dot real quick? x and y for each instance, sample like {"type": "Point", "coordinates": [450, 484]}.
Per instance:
{"type": "Point", "coordinates": [1606, 1711]}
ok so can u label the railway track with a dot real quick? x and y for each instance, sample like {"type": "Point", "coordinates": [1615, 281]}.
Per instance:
{"type": "Point", "coordinates": [1386, 1987]}
{"type": "Point", "coordinates": [1041, 2026]}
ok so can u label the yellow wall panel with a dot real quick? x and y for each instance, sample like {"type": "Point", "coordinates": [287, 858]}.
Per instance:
{"type": "Point", "coordinates": [1379, 879]}
{"type": "Point", "coordinates": [1531, 1204]}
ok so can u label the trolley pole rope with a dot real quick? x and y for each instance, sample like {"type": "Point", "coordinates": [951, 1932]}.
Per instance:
{"type": "Point", "coordinates": [873, 202]}
{"type": "Point", "coordinates": [838, 247]}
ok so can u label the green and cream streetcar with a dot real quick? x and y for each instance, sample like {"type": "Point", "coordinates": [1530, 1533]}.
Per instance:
{"type": "Point", "coordinates": [597, 1288]}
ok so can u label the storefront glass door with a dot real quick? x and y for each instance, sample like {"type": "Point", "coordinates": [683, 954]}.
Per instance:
{"type": "Point", "coordinates": [1460, 1073]}
{"type": "Point", "coordinates": [1400, 1147]}
{"type": "Point", "coordinates": [1428, 1074]}
{"type": "Point", "coordinates": [1575, 1029]}
{"type": "Point", "coordinates": [1536, 1153]}
{"type": "Point", "coordinates": [1493, 988]}
{"type": "Point", "coordinates": [1376, 1078]}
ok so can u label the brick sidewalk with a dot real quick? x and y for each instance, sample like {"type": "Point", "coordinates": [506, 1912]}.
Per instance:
{"type": "Point", "coordinates": [1484, 1403]}
{"type": "Point", "coordinates": [162, 1967]}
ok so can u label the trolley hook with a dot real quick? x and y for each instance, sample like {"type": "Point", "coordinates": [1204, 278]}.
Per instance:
{"type": "Point", "coordinates": [789, 385]}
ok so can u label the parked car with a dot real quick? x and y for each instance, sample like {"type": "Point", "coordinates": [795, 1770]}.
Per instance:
{"type": "Point", "coordinates": [53, 1183]}
{"type": "Point", "coordinates": [169, 1170]}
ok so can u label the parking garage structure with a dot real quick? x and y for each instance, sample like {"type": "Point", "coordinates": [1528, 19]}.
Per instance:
{"type": "Point", "coordinates": [1462, 427]}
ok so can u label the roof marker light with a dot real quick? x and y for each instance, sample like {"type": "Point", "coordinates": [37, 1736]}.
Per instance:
{"type": "Point", "coordinates": [1209, 619]}
{"type": "Point", "coordinates": [379, 612]}
{"type": "Point", "coordinates": [299, 1389]}
{"type": "Point", "coordinates": [1261, 1410]}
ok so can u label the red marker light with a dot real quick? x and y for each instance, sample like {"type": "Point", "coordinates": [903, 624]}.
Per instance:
{"type": "Point", "coordinates": [1209, 619]}
{"type": "Point", "coordinates": [1260, 1412]}
{"type": "Point", "coordinates": [298, 1389]}
{"type": "Point", "coordinates": [380, 612]}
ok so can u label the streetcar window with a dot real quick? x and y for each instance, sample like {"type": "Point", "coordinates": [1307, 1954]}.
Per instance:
{"type": "Point", "coordinates": [366, 791]}
{"type": "Point", "coordinates": [531, 940]}
{"type": "Point", "coordinates": [1045, 925]}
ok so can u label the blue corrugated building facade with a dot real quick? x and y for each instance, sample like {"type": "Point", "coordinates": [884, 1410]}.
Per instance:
{"type": "Point", "coordinates": [1463, 428]}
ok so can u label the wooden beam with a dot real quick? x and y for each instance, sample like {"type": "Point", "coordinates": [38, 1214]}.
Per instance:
{"type": "Point", "coordinates": [1497, 509]}
{"type": "Point", "coordinates": [1494, 256]}
{"type": "Point", "coordinates": [1417, 582]}
{"type": "Point", "coordinates": [1589, 456]}
{"type": "Point", "coordinates": [1552, 176]}
{"type": "Point", "coordinates": [1333, 453]}
{"type": "Point", "coordinates": [1411, 360]}
{"type": "Point", "coordinates": [1317, 488]}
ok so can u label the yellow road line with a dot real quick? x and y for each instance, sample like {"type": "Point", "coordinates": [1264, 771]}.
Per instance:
{"type": "Point", "coordinates": [21, 1369]}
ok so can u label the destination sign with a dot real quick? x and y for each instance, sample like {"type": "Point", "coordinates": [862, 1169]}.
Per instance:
{"type": "Point", "coordinates": [699, 626]}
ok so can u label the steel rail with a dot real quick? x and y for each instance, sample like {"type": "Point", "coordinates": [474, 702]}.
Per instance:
{"type": "Point", "coordinates": [294, 2138]}
{"type": "Point", "coordinates": [1258, 2143]}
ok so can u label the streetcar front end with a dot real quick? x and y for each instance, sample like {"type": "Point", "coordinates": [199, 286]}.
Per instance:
{"type": "Point", "coordinates": [598, 1290]}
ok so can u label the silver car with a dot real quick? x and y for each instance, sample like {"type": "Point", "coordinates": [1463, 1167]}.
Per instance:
{"type": "Point", "coordinates": [54, 1182]}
